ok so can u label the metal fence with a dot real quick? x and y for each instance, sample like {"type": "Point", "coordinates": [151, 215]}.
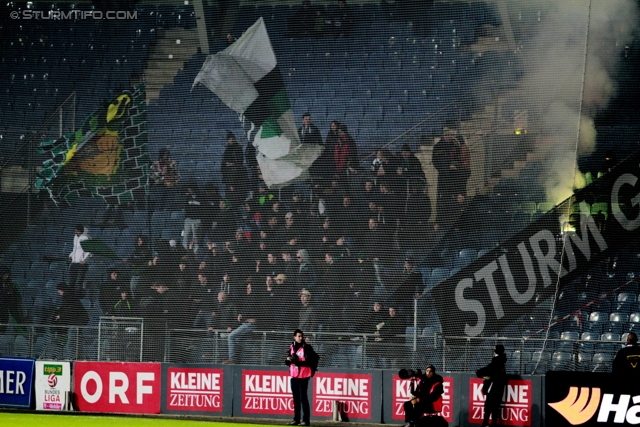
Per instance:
{"type": "Point", "coordinates": [131, 339]}
{"type": "Point", "coordinates": [120, 339]}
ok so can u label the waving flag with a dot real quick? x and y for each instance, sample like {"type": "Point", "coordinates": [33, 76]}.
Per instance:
{"type": "Point", "coordinates": [246, 78]}
{"type": "Point", "coordinates": [107, 157]}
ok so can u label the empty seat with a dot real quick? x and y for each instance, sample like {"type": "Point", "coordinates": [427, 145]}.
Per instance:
{"type": "Point", "coordinates": [139, 220]}
{"type": "Point", "coordinates": [176, 220]}
{"type": "Point", "coordinates": [612, 342]}
{"type": "Point", "coordinates": [21, 346]}
{"type": "Point", "coordinates": [171, 234]}
{"type": "Point", "coordinates": [57, 271]}
{"type": "Point", "coordinates": [438, 275]}
{"type": "Point", "coordinates": [585, 341]}
{"type": "Point", "coordinates": [601, 362]}
{"type": "Point", "coordinates": [596, 321]}
{"type": "Point", "coordinates": [110, 236]}
{"type": "Point", "coordinates": [19, 269]}
{"type": "Point", "coordinates": [567, 340]}
{"type": "Point", "coordinates": [634, 321]}
{"type": "Point", "coordinates": [621, 306]}
{"type": "Point", "coordinates": [617, 322]}
{"type": "Point", "coordinates": [158, 219]}
{"type": "Point", "coordinates": [626, 297]}
{"type": "Point", "coordinates": [518, 360]}
{"type": "Point", "coordinates": [37, 270]}
{"type": "Point", "coordinates": [465, 257]}
{"type": "Point", "coordinates": [583, 361]}
{"type": "Point", "coordinates": [540, 356]}
{"type": "Point", "coordinates": [562, 361]}
{"type": "Point", "coordinates": [6, 344]}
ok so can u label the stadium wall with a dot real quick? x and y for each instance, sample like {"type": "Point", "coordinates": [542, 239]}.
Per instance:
{"type": "Point", "coordinates": [371, 396]}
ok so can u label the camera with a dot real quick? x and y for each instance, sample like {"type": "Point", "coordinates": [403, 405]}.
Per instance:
{"type": "Point", "coordinates": [406, 374]}
{"type": "Point", "coordinates": [291, 360]}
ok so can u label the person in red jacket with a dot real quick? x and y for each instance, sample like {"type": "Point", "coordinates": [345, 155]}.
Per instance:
{"type": "Point", "coordinates": [427, 397]}
{"type": "Point", "coordinates": [300, 360]}
{"type": "Point", "coordinates": [345, 153]}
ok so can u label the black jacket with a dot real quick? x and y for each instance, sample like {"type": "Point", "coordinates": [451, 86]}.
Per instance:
{"type": "Point", "coordinates": [310, 135]}
{"type": "Point", "coordinates": [71, 312]}
{"type": "Point", "coordinates": [193, 208]}
{"type": "Point", "coordinates": [10, 303]}
{"type": "Point", "coordinates": [627, 361]}
{"type": "Point", "coordinates": [429, 391]}
{"type": "Point", "coordinates": [495, 377]}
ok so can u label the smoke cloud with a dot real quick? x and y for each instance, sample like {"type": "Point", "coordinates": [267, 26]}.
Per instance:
{"type": "Point", "coordinates": [569, 75]}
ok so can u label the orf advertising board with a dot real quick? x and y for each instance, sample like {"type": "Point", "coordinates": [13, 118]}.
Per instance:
{"type": "Point", "coordinates": [516, 402]}
{"type": "Point", "coordinates": [53, 381]}
{"type": "Point", "coordinates": [16, 380]}
{"type": "Point", "coordinates": [117, 387]}
{"type": "Point", "coordinates": [358, 394]}
{"type": "Point", "coordinates": [264, 392]}
{"type": "Point", "coordinates": [588, 399]}
{"type": "Point", "coordinates": [401, 392]}
{"type": "Point", "coordinates": [196, 389]}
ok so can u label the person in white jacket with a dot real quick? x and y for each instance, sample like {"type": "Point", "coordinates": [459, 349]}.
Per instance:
{"type": "Point", "coordinates": [79, 259]}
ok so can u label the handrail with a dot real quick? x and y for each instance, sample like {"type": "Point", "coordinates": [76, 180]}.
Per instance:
{"type": "Point", "coordinates": [394, 140]}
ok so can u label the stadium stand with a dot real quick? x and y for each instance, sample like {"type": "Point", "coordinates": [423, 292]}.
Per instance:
{"type": "Point", "coordinates": [380, 81]}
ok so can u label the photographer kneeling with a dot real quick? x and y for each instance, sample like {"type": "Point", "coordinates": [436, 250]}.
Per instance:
{"type": "Point", "coordinates": [426, 391]}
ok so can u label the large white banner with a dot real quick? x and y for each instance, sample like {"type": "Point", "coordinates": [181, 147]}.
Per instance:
{"type": "Point", "coordinates": [53, 381]}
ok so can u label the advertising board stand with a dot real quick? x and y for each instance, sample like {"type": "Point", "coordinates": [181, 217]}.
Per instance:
{"type": "Point", "coordinates": [262, 392]}
{"type": "Point", "coordinates": [52, 384]}
{"type": "Point", "coordinates": [197, 389]}
{"type": "Point", "coordinates": [521, 404]}
{"type": "Point", "coordinates": [589, 399]}
{"type": "Point", "coordinates": [396, 392]}
{"type": "Point", "coordinates": [265, 392]}
{"type": "Point", "coordinates": [132, 388]}
{"type": "Point", "coordinates": [16, 382]}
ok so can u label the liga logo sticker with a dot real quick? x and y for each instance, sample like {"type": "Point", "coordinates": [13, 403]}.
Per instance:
{"type": "Point", "coordinates": [51, 384]}
{"type": "Point", "coordinates": [52, 380]}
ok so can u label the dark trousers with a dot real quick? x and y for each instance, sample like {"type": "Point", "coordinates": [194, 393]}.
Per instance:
{"type": "Point", "coordinates": [77, 272]}
{"type": "Point", "coordinates": [412, 413]}
{"type": "Point", "coordinates": [492, 408]}
{"type": "Point", "coordinates": [299, 388]}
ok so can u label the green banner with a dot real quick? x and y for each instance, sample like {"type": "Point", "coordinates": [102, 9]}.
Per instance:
{"type": "Point", "coordinates": [52, 369]}
{"type": "Point", "coordinates": [106, 157]}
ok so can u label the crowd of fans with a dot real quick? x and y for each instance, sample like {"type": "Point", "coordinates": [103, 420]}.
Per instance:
{"type": "Point", "coordinates": [314, 256]}
{"type": "Point", "coordinates": [322, 255]}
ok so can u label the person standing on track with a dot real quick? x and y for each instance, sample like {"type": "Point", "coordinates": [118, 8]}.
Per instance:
{"type": "Point", "coordinates": [302, 361]}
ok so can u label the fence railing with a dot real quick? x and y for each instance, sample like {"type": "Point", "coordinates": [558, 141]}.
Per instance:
{"type": "Point", "coordinates": [133, 339]}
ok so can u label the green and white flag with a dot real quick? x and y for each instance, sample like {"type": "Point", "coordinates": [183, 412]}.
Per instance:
{"type": "Point", "coordinates": [246, 78]}
{"type": "Point", "coordinates": [106, 157]}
